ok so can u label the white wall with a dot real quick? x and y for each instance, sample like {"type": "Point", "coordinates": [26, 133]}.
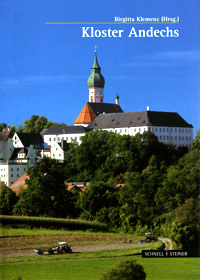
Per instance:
{"type": "Point", "coordinates": [57, 152]}
{"type": "Point", "coordinates": [49, 139]}
{"type": "Point", "coordinates": [176, 135]}
{"type": "Point", "coordinates": [10, 173]}
{"type": "Point", "coordinates": [17, 142]}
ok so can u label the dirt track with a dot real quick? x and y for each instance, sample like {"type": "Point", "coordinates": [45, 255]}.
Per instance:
{"type": "Point", "coordinates": [75, 249]}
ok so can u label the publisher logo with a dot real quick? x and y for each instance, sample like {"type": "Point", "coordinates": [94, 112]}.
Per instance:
{"type": "Point", "coordinates": [169, 254]}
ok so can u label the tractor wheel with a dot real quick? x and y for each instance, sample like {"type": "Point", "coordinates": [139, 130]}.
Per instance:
{"type": "Point", "coordinates": [63, 251]}
{"type": "Point", "coordinates": [148, 240]}
{"type": "Point", "coordinates": [69, 250]}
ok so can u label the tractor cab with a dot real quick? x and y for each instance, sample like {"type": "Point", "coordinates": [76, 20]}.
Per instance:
{"type": "Point", "coordinates": [62, 244]}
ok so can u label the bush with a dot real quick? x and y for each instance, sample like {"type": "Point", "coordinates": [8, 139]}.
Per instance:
{"type": "Point", "coordinates": [126, 270]}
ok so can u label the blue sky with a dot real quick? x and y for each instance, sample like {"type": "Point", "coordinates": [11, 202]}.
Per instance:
{"type": "Point", "coordinates": [44, 67]}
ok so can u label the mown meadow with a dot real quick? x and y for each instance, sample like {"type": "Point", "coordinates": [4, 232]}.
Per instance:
{"type": "Point", "coordinates": [86, 265]}
{"type": "Point", "coordinates": [91, 269]}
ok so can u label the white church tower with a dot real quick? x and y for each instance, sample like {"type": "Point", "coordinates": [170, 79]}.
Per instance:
{"type": "Point", "coordinates": [96, 83]}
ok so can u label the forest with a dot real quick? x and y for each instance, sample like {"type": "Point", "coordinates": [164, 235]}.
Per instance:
{"type": "Point", "coordinates": [159, 186]}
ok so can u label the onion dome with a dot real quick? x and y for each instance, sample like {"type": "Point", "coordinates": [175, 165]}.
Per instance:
{"type": "Point", "coordinates": [96, 80]}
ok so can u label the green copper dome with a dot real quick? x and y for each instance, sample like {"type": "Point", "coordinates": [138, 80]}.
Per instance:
{"type": "Point", "coordinates": [96, 79]}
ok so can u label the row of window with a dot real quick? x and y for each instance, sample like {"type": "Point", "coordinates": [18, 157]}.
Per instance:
{"type": "Point", "coordinates": [166, 129]}
{"type": "Point", "coordinates": [17, 169]}
{"type": "Point", "coordinates": [153, 129]}
{"type": "Point", "coordinates": [64, 138]}
{"type": "Point", "coordinates": [156, 129]}
{"type": "Point", "coordinates": [174, 138]}
{"type": "Point", "coordinates": [13, 175]}
{"type": "Point", "coordinates": [54, 155]}
{"type": "Point", "coordinates": [3, 169]}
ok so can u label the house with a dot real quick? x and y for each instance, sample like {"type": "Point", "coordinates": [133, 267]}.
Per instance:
{"type": "Point", "coordinates": [67, 133]}
{"type": "Point", "coordinates": [59, 150]}
{"type": "Point", "coordinates": [77, 186]}
{"type": "Point", "coordinates": [25, 140]}
{"type": "Point", "coordinates": [17, 154]}
{"type": "Point", "coordinates": [6, 133]}
{"type": "Point", "coordinates": [167, 126]}
{"type": "Point", "coordinates": [46, 152]}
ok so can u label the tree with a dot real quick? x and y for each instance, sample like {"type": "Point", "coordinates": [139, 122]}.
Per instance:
{"type": "Point", "coordinates": [46, 194]}
{"type": "Point", "coordinates": [137, 199]}
{"type": "Point", "coordinates": [185, 230]}
{"type": "Point", "coordinates": [96, 197]}
{"type": "Point", "coordinates": [125, 270]}
{"type": "Point", "coordinates": [2, 126]}
{"type": "Point", "coordinates": [196, 142]}
{"type": "Point", "coordinates": [7, 198]}
{"type": "Point", "coordinates": [182, 182]}
{"type": "Point", "coordinates": [35, 124]}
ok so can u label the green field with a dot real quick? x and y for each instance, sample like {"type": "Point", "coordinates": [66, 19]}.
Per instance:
{"type": "Point", "coordinates": [91, 269]}
{"type": "Point", "coordinates": [86, 265]}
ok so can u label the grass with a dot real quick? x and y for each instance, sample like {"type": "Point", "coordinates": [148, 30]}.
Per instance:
{"type": "Point", "coordinates": [87, 265]}
{"type": "Point", "coordinates": [10, 232]}
{"type": "Point", "coordinates": [91, 269]}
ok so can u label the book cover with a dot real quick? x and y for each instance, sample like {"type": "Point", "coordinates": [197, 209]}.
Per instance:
{"type": "Point", "coordinates": [147, 55]}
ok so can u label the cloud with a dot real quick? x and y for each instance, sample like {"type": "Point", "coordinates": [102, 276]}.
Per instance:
{"type": "Point", "coordinates": [191, 55]}
{"type": "Point", "coordinates": [169, 58]}
{"type": "Point", "coordinates": [35, 80]}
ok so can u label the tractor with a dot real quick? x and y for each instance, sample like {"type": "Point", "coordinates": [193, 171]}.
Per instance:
{"type": "Point", "coordinates": [150, 237]}
{"type": "Point", "coordinates": [63, 248]}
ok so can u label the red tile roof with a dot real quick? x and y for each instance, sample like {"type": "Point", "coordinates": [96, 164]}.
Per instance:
{"type": "Point", "coordinates": [86, 115]}
{"type": "Point", "coordinates": [19, 183]}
